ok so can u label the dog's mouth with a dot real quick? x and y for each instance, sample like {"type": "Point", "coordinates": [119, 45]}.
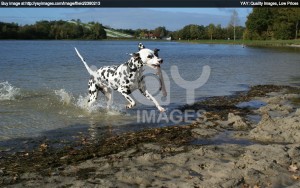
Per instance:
{"type": "Point", "coordinates": [155, 66]}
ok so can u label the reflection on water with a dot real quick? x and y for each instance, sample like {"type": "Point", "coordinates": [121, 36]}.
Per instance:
{"type": "Point", "coordinates": [44, 87]}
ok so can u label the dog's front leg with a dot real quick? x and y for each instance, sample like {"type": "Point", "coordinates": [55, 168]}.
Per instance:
{"type": "Point", "coordinates": [151, 98]}
{"type": "Point", "coordinates": [125, 93]}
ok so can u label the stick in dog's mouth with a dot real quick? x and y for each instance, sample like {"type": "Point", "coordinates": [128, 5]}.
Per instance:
{"type": "Point", "coordinates": [155, 66]}
{"type": "Point", "coordinates": [163, 87]}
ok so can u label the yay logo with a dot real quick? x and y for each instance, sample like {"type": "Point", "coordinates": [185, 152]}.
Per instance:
{"type": "Point", "coordinates": [155, 84]}
{"type": "Point", "coordinates": [174, 116]}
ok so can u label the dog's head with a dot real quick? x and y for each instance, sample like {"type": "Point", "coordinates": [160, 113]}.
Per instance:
{"type": "Point", "coordinates": [149, 57]}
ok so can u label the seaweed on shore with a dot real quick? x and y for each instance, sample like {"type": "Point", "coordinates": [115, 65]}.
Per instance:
{"type": "Point", "coordinates": [222, 105]}
{"type": "Point", "coordinates": [46, 160]}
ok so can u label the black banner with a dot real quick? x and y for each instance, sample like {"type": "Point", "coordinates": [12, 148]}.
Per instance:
{"type": "Point", "coordinates": [150, 3]}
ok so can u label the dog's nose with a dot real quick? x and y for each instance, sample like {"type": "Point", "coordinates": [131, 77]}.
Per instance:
{"type": "Point", "coordinates": [161, 61]}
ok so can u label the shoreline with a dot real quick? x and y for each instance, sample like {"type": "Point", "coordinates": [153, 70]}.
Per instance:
{"type": "Point", "coordinates": [258, 43]}
{"type": "Point", "coordinates": [236, 142]}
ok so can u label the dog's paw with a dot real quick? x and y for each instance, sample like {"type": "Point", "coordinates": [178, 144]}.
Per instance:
{"type": "Point", "coordinates": [128, 106]}
{"type": "Point", "coordinates": [161, 109]}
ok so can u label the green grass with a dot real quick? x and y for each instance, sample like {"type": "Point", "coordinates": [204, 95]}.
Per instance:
{"type": "Point", "coordinates": [115, 34]}
{"type": "Point", "coordinates": [248, 42]}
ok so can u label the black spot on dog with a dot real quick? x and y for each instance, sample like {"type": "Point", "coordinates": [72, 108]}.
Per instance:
{"type": "Point", "coordinates": [128, 99]}
{"type": "Point", "coordinates": [99, 88]}
{"type": "Point", "coordinates": [133, 69]}
{"type": "Point", "coordinates": [150, 56]}
{"type": "Point", "coordinates": [102, 73]}
{"type": "Point", "coordinates": [110, 72]}
{"type": "Point", "coordinates": [127, 88]}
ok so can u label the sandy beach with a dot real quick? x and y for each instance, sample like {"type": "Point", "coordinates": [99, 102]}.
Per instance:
{"type": "Point", "coordinates": [251, 139]}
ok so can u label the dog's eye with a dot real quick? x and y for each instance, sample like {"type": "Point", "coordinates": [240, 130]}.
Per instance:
{"type": "Point", "coordinates": [150, 56]}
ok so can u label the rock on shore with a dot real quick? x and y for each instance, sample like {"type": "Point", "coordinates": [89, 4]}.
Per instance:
{"type": "Point", "coordinates": [280, 121]}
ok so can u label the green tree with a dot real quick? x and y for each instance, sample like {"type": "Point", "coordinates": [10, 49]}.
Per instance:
{"type": "Point", "coordinates": [98, 31]}
{"type": "Point", "coordinates": [8, 30]}
{"type": "Point", "coordinates": [270, 23]}
{"type": "Point", "coordinates": [27, 32]}
{"type": "Point", "coordinates": [53, 30]}
{"type": "Point", "coordinates": [42, 29]}
{"type": "Point", "coordinates": [191, 32]}
{"type": "Point", "coordinates": [219, 32]}
{"type": "Point", "coordinates": [211, 28]}
{"type": "Point", "coordinates": [286, 23]}
{"type": "Point", "coordinates": [160, 32]}
{"type": "Point", "coordinates": [194, 32]}
{"type": "Point", "coordinates": [259, 23]}
{"type": "Point", "coordinates": [185, 33]}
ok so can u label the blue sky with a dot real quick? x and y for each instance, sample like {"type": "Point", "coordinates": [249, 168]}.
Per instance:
{"type": "Point", "coordinates": [127, 18]}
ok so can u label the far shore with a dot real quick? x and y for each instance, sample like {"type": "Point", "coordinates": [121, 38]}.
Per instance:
{"type": "Point", "coordinates": [267, 43]}
{"type": "Point", "coordinates": [262, 43]}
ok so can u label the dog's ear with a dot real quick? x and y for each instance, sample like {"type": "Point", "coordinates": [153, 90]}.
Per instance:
{"type": "Point", "coordinates": [156, 52]}
{"type": "Point", "coordinates": [141, 46]}
{"type": "Point", "coordinates": [136, 56]}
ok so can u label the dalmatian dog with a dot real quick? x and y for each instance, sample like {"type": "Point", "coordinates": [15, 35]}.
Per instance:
{"type": "Point", "coordinates": [124, 78]}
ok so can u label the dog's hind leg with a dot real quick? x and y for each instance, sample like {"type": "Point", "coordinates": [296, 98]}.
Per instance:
{"type": "Point", "coordinates": [108, 95]}
{"type": "Point", "coordinates": [93, 91]}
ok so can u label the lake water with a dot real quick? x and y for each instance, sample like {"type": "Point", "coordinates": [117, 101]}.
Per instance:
{"type": "Point", "coordinates": [43, 84]}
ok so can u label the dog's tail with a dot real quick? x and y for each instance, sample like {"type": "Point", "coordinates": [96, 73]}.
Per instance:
{"type": "Point", "coordinates": [91, 72]}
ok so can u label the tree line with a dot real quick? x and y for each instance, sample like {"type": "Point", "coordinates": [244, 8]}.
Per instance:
{"type": "Point", "coordinates": [261, 24]}
{"type": "Point", "coordinates": [53, 30]}
{"type": "Point", "coordinates": [77, 30]}
{"type": "Point", "coordinates": [211, 32]}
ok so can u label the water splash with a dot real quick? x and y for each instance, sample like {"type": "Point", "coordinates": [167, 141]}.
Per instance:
{"type": "Point", "coordinates": [65, 97]}
{"type": "Point", "coordinates": [82, 102]}
{"type": "Point", "coordinates": [8, 92]}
